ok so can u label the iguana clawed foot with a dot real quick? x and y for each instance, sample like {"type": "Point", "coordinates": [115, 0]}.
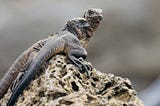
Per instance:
{"type": "Point", "coordinates": [85, 67]}
{"type": "Point", "coordinates": [82, 66]}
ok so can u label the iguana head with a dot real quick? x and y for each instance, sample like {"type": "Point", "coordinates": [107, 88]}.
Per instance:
{"type": "Point", "coordinates": [94, 17]}
{"type": "Point", "coordinates": [84, 27]}
{"type": "Point", "coordinates": [79, 27]}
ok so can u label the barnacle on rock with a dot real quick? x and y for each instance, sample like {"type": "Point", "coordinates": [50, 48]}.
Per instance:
{"type": "Point", "coordinates": [61, 84]}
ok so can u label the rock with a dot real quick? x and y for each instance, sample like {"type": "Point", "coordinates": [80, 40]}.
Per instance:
{"type": "Point", "coordinates": [61, 84]}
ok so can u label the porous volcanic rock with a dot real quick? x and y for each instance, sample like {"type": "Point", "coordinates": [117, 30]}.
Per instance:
{"type": "Point", "coordinates": [61, 84]}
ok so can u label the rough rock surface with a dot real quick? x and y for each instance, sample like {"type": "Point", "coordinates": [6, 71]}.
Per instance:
{"type": "Point", "coordinates": [61, 84]}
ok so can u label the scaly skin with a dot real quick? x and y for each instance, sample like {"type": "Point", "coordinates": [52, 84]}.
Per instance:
{"type": "Point", "coordinates": [93, 16]}
{"type": "Point", "coordinates": [66, 42]}
{"type": "Point", "coordinates": [24, 60]}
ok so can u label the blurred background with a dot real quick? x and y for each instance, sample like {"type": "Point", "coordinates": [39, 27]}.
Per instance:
{"type": "Point", "coordinates": [126, 43]}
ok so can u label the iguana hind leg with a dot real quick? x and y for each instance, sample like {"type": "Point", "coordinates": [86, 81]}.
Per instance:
{"type": "Point", "coordinates": [20, 75]}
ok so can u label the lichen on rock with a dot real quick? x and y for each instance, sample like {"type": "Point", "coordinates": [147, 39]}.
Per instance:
{"type": "Point", "coordinates": [61, 84]}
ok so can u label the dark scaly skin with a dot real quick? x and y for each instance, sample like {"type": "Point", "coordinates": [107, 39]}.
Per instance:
{"type": "Point", "coordinates": [65, 43]}
{"type": "Point", "coordinates": [25, 59]}
{"type": "Point", "coordinates": [21, 63]}
{"type": "Point", "coordinates": [93, 16]}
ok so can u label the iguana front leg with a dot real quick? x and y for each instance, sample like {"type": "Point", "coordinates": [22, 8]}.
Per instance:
{"type": "Point", "coordinates": [74, 55]}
